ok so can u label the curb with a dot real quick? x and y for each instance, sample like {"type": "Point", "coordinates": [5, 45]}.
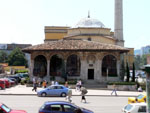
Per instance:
{"type": "Point", "coordinates": [72, 95]}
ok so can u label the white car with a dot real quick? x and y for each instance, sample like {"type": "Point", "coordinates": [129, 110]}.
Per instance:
{"type": "Point", "coordinates": [135, 108]}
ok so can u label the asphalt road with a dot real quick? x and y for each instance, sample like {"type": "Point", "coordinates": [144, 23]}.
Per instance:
{"type": "Point", "coordinates": [98, 104]}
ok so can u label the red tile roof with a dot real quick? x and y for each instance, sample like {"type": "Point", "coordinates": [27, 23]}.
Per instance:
{"type": "Point", "coordinates": [75, 45]}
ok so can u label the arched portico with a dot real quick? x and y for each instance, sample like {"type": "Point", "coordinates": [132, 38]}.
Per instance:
{"type": "Point", "coordinates": [40, 66]}
{"type": "Point", "coordinates": [109, 66]}
{"type": "Point", "coordinates": [73, 65]}
{"type": "Point", "coordinates": [57, 66]}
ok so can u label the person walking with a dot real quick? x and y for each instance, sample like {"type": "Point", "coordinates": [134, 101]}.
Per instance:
{"type": "Point", "coordinates": [44, 84]}
{"type": "Point", "coordinates": [83, 93]}
{"type": "Point", "coordinates": [34, 84]}
{"type": "Point", "coordinates": [69, 95]}
{"type": "Point", "coordinates": [66, 84]}
{"type": "Point", "coordinates": [114, 90]}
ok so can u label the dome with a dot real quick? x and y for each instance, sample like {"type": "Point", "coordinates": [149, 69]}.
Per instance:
{"type": "Point", "coordinates": [89, 22]}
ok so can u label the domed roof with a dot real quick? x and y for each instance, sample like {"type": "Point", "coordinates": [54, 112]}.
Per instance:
{"type": "Point", "coordinates": [89, 22]}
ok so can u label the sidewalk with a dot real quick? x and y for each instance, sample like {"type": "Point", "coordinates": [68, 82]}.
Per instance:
{"type": "Point", "coordinates": [23, 90]}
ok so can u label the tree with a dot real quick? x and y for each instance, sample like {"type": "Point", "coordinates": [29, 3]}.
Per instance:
{"type": "Point", "coordinates": [17, 58]}
{"type": "Point", "coordinates": [133, 73]}
{"type": "Point", "coordinates": [140, 61]}
{"type": "Point", "coordinates": [128, 73]}
{"type": "Point", "coordinates": [3, 57]}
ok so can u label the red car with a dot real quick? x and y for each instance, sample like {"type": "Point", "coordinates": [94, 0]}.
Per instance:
{"type": "Point", "coordinates": [2, 84]}
{"type": "Point", "coordinates": [7, 83]}
{"type": "Point", "coordinates": [5, 109]}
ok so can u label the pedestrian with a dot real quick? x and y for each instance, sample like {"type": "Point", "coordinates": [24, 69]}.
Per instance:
{"type": "Point", "coordinates": [56, 83]}
{"type": "Point", "coordinates": [114, 90]}
{"type": "Point", "coordinates": [83, 93]}
{"type": "Point", "coordinates": [52, 83]}
{"type": "Point", "coordinates": [34, 84]}
{"type": "Point", "coordinates": [140, 89]}
{"type": "Point", "coordinates": [80, 84]}
{"type": "Point", "coordinates": [66, 84]}
{"type": "Point", "coordinates": [69, 95]}
{"type": "Point", "coordinates": [44, 84]}
{"type": "Point", "coordinates": [77, 86]}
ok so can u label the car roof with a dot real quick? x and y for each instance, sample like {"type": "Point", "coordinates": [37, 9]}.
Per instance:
{"type": "Point", "coordinates": [57, 85]}
{"type": "Point", "coordinates": [138, 104]}
{"type": "Point", "coordinates": [58, 102]}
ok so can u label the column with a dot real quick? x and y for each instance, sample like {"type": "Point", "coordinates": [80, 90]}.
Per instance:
{"type": "Point", "coordinates": [31, 68]}
{"type": "Point", "coordinates": [48, 71]}
{"type": "Point", "coordinates": [98, 76]}
{"type": "Point", "coordinates": [118, 68]}
{"type": "Point", "coordinates": [83, 71]}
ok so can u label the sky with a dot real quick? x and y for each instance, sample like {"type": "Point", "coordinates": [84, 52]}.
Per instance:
{"type": "Point", "coordinates": [23, 21]}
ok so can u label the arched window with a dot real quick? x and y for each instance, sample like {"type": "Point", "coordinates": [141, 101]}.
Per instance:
{"type": "Point", "coordinates": [109, 66]}
{"type": "Point", "coordinates": [40, 66]}
{"type": "Point", "coordinates": [73, 65]}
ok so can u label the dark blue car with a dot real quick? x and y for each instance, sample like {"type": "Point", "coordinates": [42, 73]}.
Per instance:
{"type": "Point", "coordinates": [61, 107]}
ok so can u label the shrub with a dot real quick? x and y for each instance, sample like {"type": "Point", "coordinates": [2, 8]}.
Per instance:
{"type": "Point", "coordinates": [122, 83]}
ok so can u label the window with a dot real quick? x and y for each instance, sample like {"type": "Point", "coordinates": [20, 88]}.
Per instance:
{"type": "Point", "coordinates": [128, 107]}
{"type": "Point", "coordinates": [56, 108]}
{"type": "Point", "coordinates": [69, 109]}
{"type": "Point", "coordinates": [142, 109]}
{"type": "Point", "coordinates": [59, 87]}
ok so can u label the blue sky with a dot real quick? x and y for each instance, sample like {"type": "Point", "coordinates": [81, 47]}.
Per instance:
{"type": "Point", "coordinates": [23, 21]}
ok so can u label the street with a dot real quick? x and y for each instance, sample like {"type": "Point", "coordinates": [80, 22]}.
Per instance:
{"type": "Point", "coordinates": [98, 104]}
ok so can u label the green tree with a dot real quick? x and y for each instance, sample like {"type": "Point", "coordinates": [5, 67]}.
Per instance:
{"type": "Point", "coordinates": [140, 61]}
{"type": "Point", "coordinates": [128, 73]}
{"type": "Point", "coordinates": [3, 57]}
{"type": "Point", "coordinates": [133, 73]}
{"type": "Point", "coordinates": [17, 58]}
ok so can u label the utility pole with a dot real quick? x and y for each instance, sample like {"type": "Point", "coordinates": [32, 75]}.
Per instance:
{"type": "Point", "coordinates": [147, 70]}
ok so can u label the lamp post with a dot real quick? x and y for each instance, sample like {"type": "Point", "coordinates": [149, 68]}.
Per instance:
{"type": "Point", "coordinates": [147, 70]}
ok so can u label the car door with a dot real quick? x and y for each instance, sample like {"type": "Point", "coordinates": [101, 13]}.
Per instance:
{"type": "Point", "coordinates": [142, 109]}
{"type": "Point", "coordinates": [56, 108]}
{"type": "Point", "coordinates": [51, 90]}
{"type": "Point", "coordinates": [68, 108]}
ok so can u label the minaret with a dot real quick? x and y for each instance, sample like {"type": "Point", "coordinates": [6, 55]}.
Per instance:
{"type": "Point", "coordinates": [119, 23]}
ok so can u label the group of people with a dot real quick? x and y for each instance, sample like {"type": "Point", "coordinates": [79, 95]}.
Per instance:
{"type": "Point", "coordinates": [43, 83]}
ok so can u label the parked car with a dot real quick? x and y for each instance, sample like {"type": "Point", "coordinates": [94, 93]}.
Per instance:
{"type": "Point", "coordinates": [53, 90]}
{"type": "Point", "coordinates": [61, 107]}
{"type": "Point", "coordinates": [15, 77]}
{"type": "Point", "coordinates": [2, 84]}
{"type": "Point", "coordinates": [135, 108]}
{"type": "Point", "coordinates": [7, 83]}
{"type": "Point", "coordinates": [5, 109]}
{"type": "Point", "coordinates": [139, 98]}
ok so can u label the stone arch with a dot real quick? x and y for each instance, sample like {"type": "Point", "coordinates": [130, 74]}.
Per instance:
{"type": "Point", "coordinates": [73, 65]}
{"type": "Point", "coordinates": [109, 66]}
{"type": "Point", "coordinates": [57, 66]}
{"type": "Point", "coordinates": [40, 66]}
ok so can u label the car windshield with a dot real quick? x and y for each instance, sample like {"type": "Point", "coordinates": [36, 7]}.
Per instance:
{"type": "Point", "coordinates": [140, 96]}
{"type": "Point", "coordinates": [7, 109]}
{"type": "Point", "coordinates": [128, 107]}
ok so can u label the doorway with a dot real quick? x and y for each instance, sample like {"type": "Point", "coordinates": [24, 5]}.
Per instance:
{"type": "Point", "coordinates": [90, 74]}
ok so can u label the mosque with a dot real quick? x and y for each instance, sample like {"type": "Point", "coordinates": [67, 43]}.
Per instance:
{"type": "Point", "coordinates": [88, 51]}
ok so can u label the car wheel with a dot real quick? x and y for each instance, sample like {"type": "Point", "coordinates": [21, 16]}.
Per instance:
{"type": "Point", "coordinates": [43, 94]}
{"type": "Point", "coordinates": [1, 88]}
{"type": "Point", "coordinates": [63, 94]}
